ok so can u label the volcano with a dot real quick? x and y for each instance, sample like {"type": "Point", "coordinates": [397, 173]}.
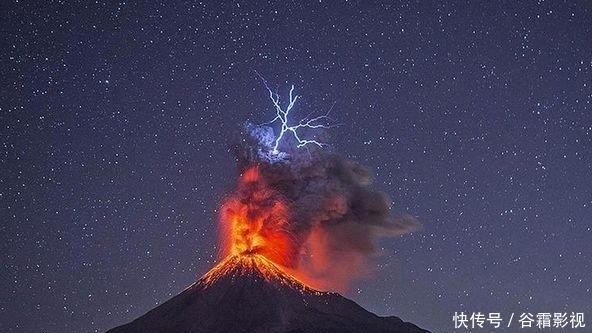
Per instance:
{"type": "Point", "coordinates": [250, 294]}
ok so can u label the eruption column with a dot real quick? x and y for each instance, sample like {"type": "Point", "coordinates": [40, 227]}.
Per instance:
{"type": "Point", "coordinates": [255, 221]}
{"type": "Point", "coordinates": [313, 213]}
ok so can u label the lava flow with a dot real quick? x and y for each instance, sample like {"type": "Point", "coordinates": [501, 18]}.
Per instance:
{"type": "Point", "coordinates": [255, 222]}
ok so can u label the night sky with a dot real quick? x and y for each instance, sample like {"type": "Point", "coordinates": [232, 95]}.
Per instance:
{"type": "Point", "coordinates": [117, 122]}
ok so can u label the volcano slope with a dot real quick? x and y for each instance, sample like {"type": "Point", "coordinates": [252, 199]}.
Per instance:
{"type": "Point", "coordinates": [250, 294]}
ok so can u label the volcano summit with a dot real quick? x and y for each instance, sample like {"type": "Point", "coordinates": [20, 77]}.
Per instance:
{"type": "Point", "coordinates": [248, 294]}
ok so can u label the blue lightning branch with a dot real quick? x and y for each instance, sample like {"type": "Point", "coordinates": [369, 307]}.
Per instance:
{"type": "Point", "coordinates": [282, 116]}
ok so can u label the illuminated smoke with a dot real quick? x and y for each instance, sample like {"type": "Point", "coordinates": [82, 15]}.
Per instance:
{"type": "Point", "coordinates": [311, 211]}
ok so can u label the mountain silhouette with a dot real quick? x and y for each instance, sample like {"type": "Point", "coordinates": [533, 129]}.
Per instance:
{"type": "Point", "coordinates": [250, 294]}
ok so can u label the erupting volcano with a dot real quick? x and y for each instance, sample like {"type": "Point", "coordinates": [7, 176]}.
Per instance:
{"type": "Point", "coordinates": [297, 223]}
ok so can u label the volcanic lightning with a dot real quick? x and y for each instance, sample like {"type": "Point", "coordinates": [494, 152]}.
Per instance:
{"type": "Point", "coordinates": [312, 213]}
{"type": "Point", "coordinates": [282, 115]}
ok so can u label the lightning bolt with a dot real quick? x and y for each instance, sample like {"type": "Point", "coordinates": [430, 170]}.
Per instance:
{"type": "Point", "coordinates": [282, 116]}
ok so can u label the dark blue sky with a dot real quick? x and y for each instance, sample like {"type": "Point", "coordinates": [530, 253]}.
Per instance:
{"type": "Point", "coordinates": [116, 122]}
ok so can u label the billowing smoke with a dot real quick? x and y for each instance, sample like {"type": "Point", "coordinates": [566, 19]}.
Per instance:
{"type": "Point", "coordinates": [310, 210]}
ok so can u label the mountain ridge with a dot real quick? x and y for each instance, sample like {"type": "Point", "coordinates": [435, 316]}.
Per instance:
{"type": "Point", "coordinates": [250, 294]}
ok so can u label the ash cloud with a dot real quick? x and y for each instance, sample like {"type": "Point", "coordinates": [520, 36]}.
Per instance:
{"type": "Point", "coordinates": [335, 217]}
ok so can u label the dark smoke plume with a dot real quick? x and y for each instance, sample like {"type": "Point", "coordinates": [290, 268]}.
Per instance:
{"type": "Point", "coordinates": [335, 216]}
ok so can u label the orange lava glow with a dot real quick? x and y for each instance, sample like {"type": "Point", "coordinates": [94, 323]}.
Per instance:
{"type": "Point", "coordinates": [244, 265]}
{"type": "Point", "coordinates": [255, 221]}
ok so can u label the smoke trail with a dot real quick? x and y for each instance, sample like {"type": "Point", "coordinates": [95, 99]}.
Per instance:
{"type": "Point", "coordinates": [313, 211]}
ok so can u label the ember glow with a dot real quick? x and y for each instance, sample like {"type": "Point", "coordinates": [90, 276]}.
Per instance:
{"type": "Point", "coordinates": [248, 264]}
{"type": "Point", "coordinates": [255, 224]}
{"type": "Point", "coordinates": [255, 221]}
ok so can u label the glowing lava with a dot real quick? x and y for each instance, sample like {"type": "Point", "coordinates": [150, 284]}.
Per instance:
{"type": "Point", "coordinates": [256, 266]}
{"type": "Point", "coordinates": [255, 221]}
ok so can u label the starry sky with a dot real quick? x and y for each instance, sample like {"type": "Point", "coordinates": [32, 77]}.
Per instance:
{"type": "Point", "coordinates": [117, 120]}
